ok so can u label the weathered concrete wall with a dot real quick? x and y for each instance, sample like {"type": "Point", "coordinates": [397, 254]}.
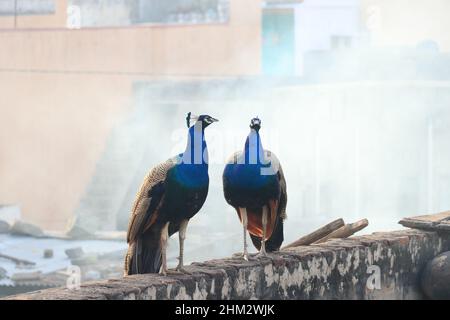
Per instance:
{"type": "Point", "coordinates": [335, 270]}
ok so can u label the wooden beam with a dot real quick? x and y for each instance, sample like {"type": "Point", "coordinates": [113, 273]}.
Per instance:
{"type": "Point", "coordinates": [437, 221]}
{"type": "Point", "coordinates": [345, 231]}
{"type": "Point", "coordinates": [317, 234]}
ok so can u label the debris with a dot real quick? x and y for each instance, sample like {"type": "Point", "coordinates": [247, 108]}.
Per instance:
{"type": "Point", "coordinates": [111, 235]}
{"type": "Point", "coordinates": [79, 258]}
{"type": "Point", "coordinates": [114, 275]}
{"type": "Point", "coordinates": [345, 231]}
{"type": "Point", "coordinates": [113, 255]}
{"type": "Point", "coordinates": [433, 222]}
{"type": "Point", "coordinates": [4, 226]}
{"type": "Point", "coordinates": [109, 261]}
{"type": "Point", "coordinates": [92, 275]}
{"type": "Point", "coordinates": [27, 276]}
{"type": "Point", "coordinates": [435, 279]}
{"type": "Point", "coordinates": [54, 234]}
{"type": "Point", "coordinates": [75, 231]}
{"type": "Point", "coordinates": [48, 253]}
{"type": "Point", "coordinates": [2, 273]}
{"type": "Point", "coordinates": [27, 229]}
{"type": "Point", "coordinates": [85, 260]}
{"type": "Point", "coordinates": [17, 261]}
{"type": "Point", "coordinates": [10, 213]}
{"type": "Point", "coordinates": [317, 235]}
{"type": "Point", "coordinates": [74, 253]}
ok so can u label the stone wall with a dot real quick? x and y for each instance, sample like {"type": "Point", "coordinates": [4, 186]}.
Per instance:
{"type": "Point", "coordinates": [338, 269]}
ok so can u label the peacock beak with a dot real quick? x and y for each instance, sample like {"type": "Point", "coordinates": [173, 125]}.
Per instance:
{"type": "Point", "coordinates": [214, 120]}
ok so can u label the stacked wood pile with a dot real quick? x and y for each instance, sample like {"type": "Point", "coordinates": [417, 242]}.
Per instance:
{"type": "Point", "coordinates": [338, 229]}
{"type": "Point", "coordinates": [334, 230]}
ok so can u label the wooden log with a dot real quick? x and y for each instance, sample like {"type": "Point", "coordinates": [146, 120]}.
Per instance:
{"type": "Point", "coordinates": [316, 235]}
{"type": "Point", "coordinates": [430, 222]}
{"type": "Point", "coordinates": [345, 231]}
{"type": "Point", "coordinates": [27, 276]}
{"type": "Point", "coordinates": [17, 260]}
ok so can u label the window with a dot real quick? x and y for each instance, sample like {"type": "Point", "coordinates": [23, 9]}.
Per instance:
{"type": "Point", "coordinates": [128, 12]}
{"type": "Point", "coordinates": [26, 7]}
{"type": "Point", "coordinates": [182, 11]}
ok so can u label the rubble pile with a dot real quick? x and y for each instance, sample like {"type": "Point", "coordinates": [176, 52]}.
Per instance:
{"type": "Point", "coordinates": [34, 259]}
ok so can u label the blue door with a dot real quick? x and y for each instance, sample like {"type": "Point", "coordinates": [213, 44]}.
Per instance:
{"type": "Point", "coordinates": [278, 36]}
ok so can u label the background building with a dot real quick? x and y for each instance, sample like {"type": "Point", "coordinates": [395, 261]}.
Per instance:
{"type": "Point", "coordinates": [83, 84]}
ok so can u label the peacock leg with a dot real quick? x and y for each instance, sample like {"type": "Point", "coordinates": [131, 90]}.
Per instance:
{"type": "Point", "coordinates": [262, 251]}
{"type": "Point", "coordinates": [182, 236]}
{"type": "Point", "coordinates": [244, 224]}
{"type": "Point", "coordinates": [244, 220]}
{"type": "Point", "coordinates": [164, 239]}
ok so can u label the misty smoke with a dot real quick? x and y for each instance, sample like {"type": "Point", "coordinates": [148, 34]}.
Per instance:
{"type": "Point", "coordinates": [363, 133]}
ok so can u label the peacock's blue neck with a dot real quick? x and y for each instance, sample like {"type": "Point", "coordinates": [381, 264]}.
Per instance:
{"type": "Point", "coordinates": [248, 174]}
{"type": "Point", "coordinates": [192, 170]}
{"type": "Point", "coordinates": [253, 150]}
{"type": "Point", "coordinates": [196, 152]}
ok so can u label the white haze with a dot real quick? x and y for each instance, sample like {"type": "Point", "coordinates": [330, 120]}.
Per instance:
{"type": "Point", "coordinates": [368, 138]}
{"type": "Point", "coordinates": [353, 150]}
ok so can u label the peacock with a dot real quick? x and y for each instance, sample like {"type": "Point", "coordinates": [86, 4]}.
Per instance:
{"type": "Point", "coordinates": [170, 195]}
{"type": "Point", "coordinates": [254, 184]}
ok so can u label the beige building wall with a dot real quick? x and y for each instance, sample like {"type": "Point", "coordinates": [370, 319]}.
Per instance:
{"type": "Point", "coordinates": [230, 49]}
{"type": "Point", "coordinates": [408, 22]}
{"type": "Point", "coordinates": [63, 90]}
{"type": "Point", "coordinates": [52, 131]}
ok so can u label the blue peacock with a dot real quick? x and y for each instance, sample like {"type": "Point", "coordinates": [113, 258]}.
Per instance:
{"type": "Point", "coordinates": [254, 184]}
{"type": "Point", "coordinates": [170, 195]}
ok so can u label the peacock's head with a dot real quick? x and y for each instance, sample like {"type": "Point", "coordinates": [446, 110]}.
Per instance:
{"type": "Point", "coordinates": [204, 120]}
{"type": "Point", "coordinates": [255, 124]}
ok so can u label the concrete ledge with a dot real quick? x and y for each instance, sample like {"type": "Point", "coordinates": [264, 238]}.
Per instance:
{"type": "Point", "coordinates": [337, 269]}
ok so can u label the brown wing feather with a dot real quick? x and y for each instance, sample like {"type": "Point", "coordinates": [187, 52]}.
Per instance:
{"type": "Point", "coordinates": [142, 201]}
{"type": "Point", "coordinates": [283, 195]}
{"type": "Point", "coordinates": [128, 259]}
{"type": "Point", "coordinates": [282, 201]}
